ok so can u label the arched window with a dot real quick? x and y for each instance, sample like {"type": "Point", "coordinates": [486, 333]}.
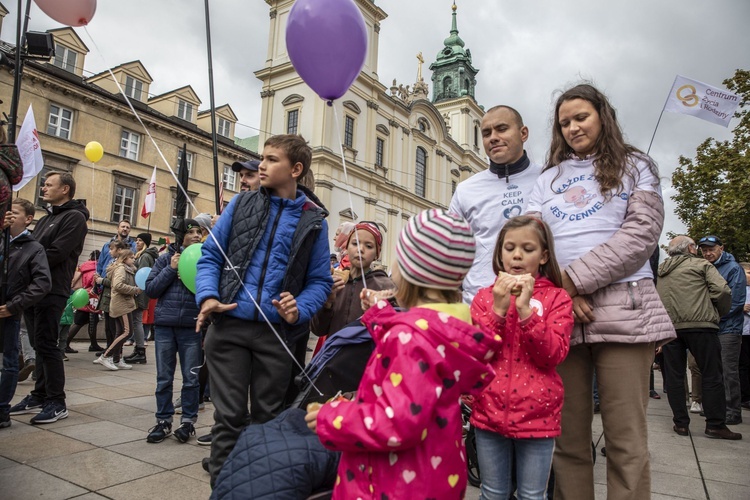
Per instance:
{"type": "Point", "coordinates": [420, 172]}
{"type": "Point", "coordinates": [447, 82]}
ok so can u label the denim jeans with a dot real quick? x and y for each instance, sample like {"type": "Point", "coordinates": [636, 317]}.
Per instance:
{"type": "Point", "coordinates": [9, 376]}
{"type": "Point", "coordinates": [26, 349]}
{"type": "Point", "coordinates": [169, 343]}
{"type": "Point", "coordinates": [533, 459]}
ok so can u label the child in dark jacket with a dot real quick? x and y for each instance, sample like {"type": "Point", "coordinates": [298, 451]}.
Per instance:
{"type": "Point", "coordinates": [29, 281]}
{"type": "Point", "coordinates": [278, 273]}
{"type": "Point", "coordinates": [405, 424]}
{"type": "Point", "coordinates": [174, 333]}
{"type": "Point", "coordinates": [518, 415]}
{"type": "Point", "coordinates": [343, 305]}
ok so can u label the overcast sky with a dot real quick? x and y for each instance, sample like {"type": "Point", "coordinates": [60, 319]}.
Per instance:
{"type": "Point", "coordinates": [525, 51]}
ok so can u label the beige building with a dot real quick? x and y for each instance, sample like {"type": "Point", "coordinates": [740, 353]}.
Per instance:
{"type": "Point", "coordinates": [404, 152]}
{"type": "Point", "coordinates": [71, 110]}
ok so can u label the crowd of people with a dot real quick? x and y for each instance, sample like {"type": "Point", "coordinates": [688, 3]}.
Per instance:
{"type": "Point", "coordinates": [535, 287]}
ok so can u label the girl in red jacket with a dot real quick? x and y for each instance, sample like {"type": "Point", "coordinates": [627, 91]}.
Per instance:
{"type": "Point", "coordinates": [401, 436]}
{"type": "Point", "coordinates": [517, 416]}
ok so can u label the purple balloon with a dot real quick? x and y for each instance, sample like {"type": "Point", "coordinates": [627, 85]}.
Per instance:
{"type": "Point", "coordinates": [327, 43]}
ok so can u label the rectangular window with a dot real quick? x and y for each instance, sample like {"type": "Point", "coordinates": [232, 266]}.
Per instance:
{"type": "Point", "coordinates": [349, 132]}
{"type": "Point", "coordinates": [230, 178]}
{"type": "Point", "coordinates": [453, 187]}
{"type": "Point", "coordinates": [174, 207]}
{"type": "Point", "coordinates": [379, 146]}
{"type": "Point", "coordinates": [225, 128]}
{"type": "Point", "coordinates": [40, 184]}
{"type": "Point", "coordinates": [65, 58]}
{"type": "Point", "coordinates": [129, 145]}
{"type": "Point", "coordinates": [190, 157]}
{"type": "Point", "coordinates": [185, 111]}
{"type": "Point", "coordinates": [122, 205]}
{"type": "Point", "coordinates": [133, 88]}
{"type": "Point", "coordinates": [60, 121]}
{"type": "Point", "coordinates": [291, 121]}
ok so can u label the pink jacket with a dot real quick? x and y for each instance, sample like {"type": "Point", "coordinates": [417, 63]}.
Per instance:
{"type": "Point", "coordinates": [402, 438]}
{"type": "Point", "coordinates": [630, 312]}
{"type": "Point", "coordinates": [525, 399]}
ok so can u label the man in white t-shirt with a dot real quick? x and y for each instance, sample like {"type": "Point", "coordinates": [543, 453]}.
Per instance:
{"type": "Point", "coordinates": [488, 199]}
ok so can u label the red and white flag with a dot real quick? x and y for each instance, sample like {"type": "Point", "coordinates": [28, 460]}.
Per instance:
{"type": "Point", "coordinates": [29, 149]}
{"type": "Point", "coordinates": [149, 204]}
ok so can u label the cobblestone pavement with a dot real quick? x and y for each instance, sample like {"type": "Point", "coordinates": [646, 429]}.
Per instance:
{"type": "Point", "coordinates": [100, 450]}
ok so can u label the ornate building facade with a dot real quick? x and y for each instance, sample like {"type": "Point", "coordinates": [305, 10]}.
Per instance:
{"type": "Point", "coordinates": [404, 152]}
{"type": "Point", "coordinates": [71, 110]}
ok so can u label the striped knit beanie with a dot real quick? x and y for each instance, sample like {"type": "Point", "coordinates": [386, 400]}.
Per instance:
{"type": "Point", "coordinates": [435, 250]}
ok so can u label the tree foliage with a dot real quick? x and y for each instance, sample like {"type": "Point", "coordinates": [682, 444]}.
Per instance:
{"type": "Point", "coordinates": [713, 189]}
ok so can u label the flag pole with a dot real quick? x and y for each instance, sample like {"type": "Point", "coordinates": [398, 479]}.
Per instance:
{"type": "Point", "coordinates": [148, 228]}
{"type": "Point", "coordinates": [20, 40]}
{"type": "Point", "coordinates": [660, 115]}
{"type": "Point", "coordinates": [213, 111]}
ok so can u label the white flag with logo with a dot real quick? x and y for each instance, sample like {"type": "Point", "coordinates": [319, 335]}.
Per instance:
{"type": "Point", "coordinates": [29, 149]}
{"type": "Point", "coordinates": [712, 104]}
{"type": "Point", "coordinates": [149, 204]}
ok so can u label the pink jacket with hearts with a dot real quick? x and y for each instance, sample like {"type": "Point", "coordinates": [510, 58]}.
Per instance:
{"type": "Point", "coordinates": [402, 438]}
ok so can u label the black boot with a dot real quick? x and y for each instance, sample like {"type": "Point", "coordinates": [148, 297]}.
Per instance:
{"type": "Point", "coordinates": [93, 321]}
{"type": "Point", "coordinates": [138, 356]}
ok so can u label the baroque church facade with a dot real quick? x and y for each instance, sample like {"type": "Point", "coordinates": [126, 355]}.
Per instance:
{"type": "Point", "coordinates": [405, 150]}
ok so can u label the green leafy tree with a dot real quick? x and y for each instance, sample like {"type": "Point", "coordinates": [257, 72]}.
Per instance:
{"type": "Point", "coordinates": [713, 189]}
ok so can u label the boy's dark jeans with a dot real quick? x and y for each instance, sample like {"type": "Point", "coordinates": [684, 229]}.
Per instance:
{"type": "Point", "coordinates": [240, 355]}
{"type": "Point", "coordinates": [42, 321]}
{"type": "Point", "coordinates": [9, 376]}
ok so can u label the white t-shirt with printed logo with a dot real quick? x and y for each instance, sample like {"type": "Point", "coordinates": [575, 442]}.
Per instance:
{"type": "Point", "coordinates": [580, 218]}
{"type": "Point", "coordinates": [487, 202]}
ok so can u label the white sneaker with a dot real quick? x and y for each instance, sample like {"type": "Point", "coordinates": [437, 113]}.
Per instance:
{"type": "Point", "coordinates": [122, 365]}
{"type": "Point", "coordinates": [98, 360]}
{"type": "Point", "coordinates": [696, 407]}
{"type": "Point", "coordinates": [109, 364]}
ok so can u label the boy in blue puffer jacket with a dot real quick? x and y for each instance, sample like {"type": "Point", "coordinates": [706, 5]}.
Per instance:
{"type": "Point", "coordinates": [276, 240]}
{"type": "Point", "coordinates": [174, 333]}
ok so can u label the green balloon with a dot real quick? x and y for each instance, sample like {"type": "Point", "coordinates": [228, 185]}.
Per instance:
{"type": "Point", "coordinates": [188, 265]}
{"type": "Point", "coordinates": [80, 298]}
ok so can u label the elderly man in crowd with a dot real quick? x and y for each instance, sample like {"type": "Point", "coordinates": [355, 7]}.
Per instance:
{"type": "Point", "coordinates": [695, 296]}
{"type": "Point", "coordinates": [730, 327]}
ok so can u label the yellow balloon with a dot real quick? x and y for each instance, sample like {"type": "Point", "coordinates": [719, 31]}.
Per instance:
{"type": "Point", "coordinates": [94, 151]}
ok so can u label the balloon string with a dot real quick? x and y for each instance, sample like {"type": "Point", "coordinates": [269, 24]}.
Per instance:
{"type": "Point", "coordinates": [348, 191]}
{"type": "Point", "coordinates": [195, 210]}
{"type": "Point", "coordinates": [91, 210]}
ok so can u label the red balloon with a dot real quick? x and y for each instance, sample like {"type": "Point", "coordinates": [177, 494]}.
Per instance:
{"type": "Point", "coordinates": [69, 12]}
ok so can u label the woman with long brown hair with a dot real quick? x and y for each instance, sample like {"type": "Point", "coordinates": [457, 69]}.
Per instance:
{"type": "Point", "coordinates": [602, 200]}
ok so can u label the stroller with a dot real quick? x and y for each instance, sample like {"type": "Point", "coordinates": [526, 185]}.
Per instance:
{"type": "Point", "coordinates": [338, 367]}
{"type": "Point", "coordinates": [302, 467]}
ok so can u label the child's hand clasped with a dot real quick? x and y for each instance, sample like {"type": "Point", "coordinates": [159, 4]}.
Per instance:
{"type": "Point", "coordinates": [521, 286]}
{"type": "Point", "coordinates": [312, 416]}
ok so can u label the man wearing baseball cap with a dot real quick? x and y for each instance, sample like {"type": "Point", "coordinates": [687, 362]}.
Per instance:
{"type": "Point", "coordinates": [730, 327]}
{"type": "Point", "coordinates": [249, 178]}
